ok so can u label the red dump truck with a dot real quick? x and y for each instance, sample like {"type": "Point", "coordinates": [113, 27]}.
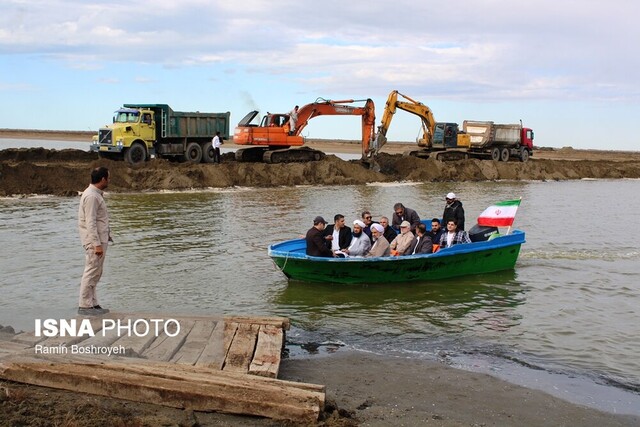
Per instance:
{"type": "Point", "coordinates": [498, 141]}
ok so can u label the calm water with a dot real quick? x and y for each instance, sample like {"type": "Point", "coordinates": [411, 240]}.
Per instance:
{"type": "Point", "coordinates": [565, 320]}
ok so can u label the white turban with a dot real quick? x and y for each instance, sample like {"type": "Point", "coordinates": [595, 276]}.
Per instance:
{"type": "Point", "coordinates": [378, 228]}
{"type": "Point", "coordinates": [360, 223]}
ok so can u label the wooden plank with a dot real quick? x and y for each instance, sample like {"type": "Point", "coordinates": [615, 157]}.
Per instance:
{"type": "Point", "coordinates": [134, 346]}
{"type": "Point", "coordinates": [242, 395]}
{"type": "Point", "coordinates": [164, 347]}
{"type": "Point", "coordinates": [216, 349]}
{"type": "Point", "coordinates": [242, 347]}
{"type": "Point", "coordinates": [105, 338]}
{"type": "Point", "coordinates": [96, 325]}
{"type": "Point", "coordinates": [196, 342]}
{"type": "Point", "coordinates": [11, 347]}
{"type": "Point", "coordinates": [28, 338]}
{"type": "Point", "coordinates": [266, 360]}
{"type": "Point", "coordinates": [281, 322]}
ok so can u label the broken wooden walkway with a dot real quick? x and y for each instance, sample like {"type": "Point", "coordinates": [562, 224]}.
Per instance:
{"type": "Point", "coordinates": [227, 364]}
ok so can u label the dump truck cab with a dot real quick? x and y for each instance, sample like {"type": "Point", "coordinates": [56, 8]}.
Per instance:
{"type": "Point", "coordinates": [129, 126]}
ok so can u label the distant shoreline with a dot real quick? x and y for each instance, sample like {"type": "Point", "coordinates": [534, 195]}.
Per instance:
{"type": "Point", "coordinates": [69, 135]}
{"type": "Point", "coordinates": [343, 145]}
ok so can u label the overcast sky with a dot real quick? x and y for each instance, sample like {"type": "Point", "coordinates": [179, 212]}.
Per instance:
{"type": "Point", "coordinates": [569, 69]}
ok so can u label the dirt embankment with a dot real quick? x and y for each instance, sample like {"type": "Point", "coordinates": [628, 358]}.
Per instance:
{"type": "Point", "coordinates": [65, 172]}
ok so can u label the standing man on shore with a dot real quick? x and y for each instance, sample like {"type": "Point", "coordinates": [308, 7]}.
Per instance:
{"type": "Point", "coordinates": [215, 143]}
{"type": "Point", "coordinates": [93, 224]}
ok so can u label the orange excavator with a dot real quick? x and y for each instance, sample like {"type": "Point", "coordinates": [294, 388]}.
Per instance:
{"type": "Point", "coordinates": [273, 138]}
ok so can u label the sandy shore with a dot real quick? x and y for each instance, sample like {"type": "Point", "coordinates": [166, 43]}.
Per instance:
{"type": "Point", "coordinates": [385, 391]}
{"type": "Point", "coordinates": [362, 390]}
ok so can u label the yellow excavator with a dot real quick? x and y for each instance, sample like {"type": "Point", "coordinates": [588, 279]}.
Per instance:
{"type": "Point", "coordinates": [440, 138]}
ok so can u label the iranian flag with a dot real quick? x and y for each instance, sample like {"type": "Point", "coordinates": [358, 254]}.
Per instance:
{"type": "Point", "coordinates": [501, 214]}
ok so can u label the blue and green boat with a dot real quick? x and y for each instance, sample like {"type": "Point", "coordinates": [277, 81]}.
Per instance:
{"type": "Point", "coordinates": [497, 254]}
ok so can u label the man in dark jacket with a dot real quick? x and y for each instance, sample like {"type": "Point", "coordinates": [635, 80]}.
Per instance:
{"type": "Point", "coordinates": [453, 210]}
{"type": "Point", "coordinates": [422, 243]}
{"type": "Point", "coordinates": [436, 231]}
{"type": "Point", "coordinates": [315, 240]}
{"type": "Point", "coordinates": [389, 233]}
{"type": "Point", "coordinates": [337, 235]}
{"type": "Point", "coordinates": [401, 213]}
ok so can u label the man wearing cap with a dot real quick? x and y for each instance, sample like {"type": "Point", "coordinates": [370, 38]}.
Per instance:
{"type": "Point", "coordinates": [401, 213]}
{"type": "Point", "coordinates": [315, 240]}
{"type": "Point", "coordinates": [380, 244]}
{"type": "Point", "coordinates": [360, 243]}
{"type": "Point", "coordinates": [453, 210]}
{"type": "Point", "coordinates": [401, 245]}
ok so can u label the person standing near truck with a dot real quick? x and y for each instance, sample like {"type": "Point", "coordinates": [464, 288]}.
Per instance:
{"type": "Point", "coordinates": [215, 143]}
{"type": "Point", "coordinates": [95, 235]}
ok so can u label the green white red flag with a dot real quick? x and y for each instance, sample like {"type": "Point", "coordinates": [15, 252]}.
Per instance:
{"type": "Point", "coordinates": [500, 214]}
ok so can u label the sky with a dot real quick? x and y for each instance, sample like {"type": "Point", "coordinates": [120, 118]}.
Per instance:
{"type": "Point", "coordinates": [569, 70]}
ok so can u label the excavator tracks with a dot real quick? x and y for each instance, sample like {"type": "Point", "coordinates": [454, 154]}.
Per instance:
{"type": "Point", "coordinates": [286, 155]}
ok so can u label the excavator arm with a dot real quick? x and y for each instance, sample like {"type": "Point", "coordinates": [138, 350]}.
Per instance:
{"type": "Point", "coordinates": [273, 137]}
{"type": "Point", "coordinates": [412, 106]}
{"type": "Point", "coordinates": [324, 107]}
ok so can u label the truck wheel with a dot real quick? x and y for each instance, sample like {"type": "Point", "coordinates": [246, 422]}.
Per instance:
{"type": "Point", "coordinates": [193, 153]}
{"type": "Point", "coordinates": [207, 152]}
{"type": "Point", "coordinates": [524, 155]}
{"type": "Point", "coordinates": [136, 154]}
{"type": "Point", "coordinates": [495, 154]}
{"type": "Point", "coordinates": [504, 155]}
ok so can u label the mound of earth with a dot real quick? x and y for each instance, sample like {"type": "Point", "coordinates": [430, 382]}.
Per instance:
{"type": "Point", "coordinates": [66, 172]}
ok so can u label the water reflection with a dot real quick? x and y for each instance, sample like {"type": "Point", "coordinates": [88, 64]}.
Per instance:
{"type": "Point", "coordinates": [475, 303]}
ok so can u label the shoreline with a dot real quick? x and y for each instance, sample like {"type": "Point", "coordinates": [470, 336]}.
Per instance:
{"type": "Point", "coordinates": [393, 390]}
{"type": "Point", "coordinates": [346, 146]}
{"type": "Point", "coordinates": [361, 389]}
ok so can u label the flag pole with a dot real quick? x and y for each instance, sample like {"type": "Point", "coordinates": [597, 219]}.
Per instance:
{"type": "Point", "coordinates": [509, 229]}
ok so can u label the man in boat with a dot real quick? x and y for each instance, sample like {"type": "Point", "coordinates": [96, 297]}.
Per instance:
{"type": "Point", "coordinates": [453, 236]}
{"type": "Point", "coordinates": [367, 218]}
{"type": "Point", "coordinates": [337, 235]}
{"type": "Point", "coordinates": [389, 233]}
{"type": "Point", "coordinates": [315, 241]}
{"type": "Point", "coordinates": [401, 245]}
{"type": "Point", "coordinates": [402, 213]}
{"type": "Point", "coordinates": [422, 243]}
{"type": "Point", "coordinates": [453, 210]}
{"type": "Point", "coordinates": [436, 232]}
{"type": "Point", "coordinates": [360, 243]}
{"type": "Point", "coordinates": [380, 244]}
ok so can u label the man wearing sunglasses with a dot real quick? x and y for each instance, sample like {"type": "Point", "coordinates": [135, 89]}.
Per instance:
{"type": "Point", "coordinates": [402, 213]}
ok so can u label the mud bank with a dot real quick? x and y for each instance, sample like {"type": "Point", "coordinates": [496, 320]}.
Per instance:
{"type": "Point", "coordinates": [65, 172]}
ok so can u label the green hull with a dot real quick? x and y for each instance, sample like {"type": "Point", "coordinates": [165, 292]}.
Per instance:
{"type": "Point", "coordinates": [473, 258]}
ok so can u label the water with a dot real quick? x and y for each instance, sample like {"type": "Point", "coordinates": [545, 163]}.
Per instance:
{"type": "Point", "coordinates": [564, 321]}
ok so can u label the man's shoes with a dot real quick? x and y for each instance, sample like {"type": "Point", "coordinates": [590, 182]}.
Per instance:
{"type": "Point", "coordinates": [92, 311]}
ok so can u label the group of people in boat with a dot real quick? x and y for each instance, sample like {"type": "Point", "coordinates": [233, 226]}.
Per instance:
{"type": "Point", "coordinates": [405, 235]}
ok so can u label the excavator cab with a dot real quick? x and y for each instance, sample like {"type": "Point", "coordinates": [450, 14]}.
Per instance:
{"type": "Point", "coordinates": [445, 135]}
{"type": "Point", "coordinates": [248, 119]}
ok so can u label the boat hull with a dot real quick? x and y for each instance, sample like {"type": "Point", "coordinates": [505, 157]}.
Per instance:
{"type": "Point", "coordinates": [472, 258]}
